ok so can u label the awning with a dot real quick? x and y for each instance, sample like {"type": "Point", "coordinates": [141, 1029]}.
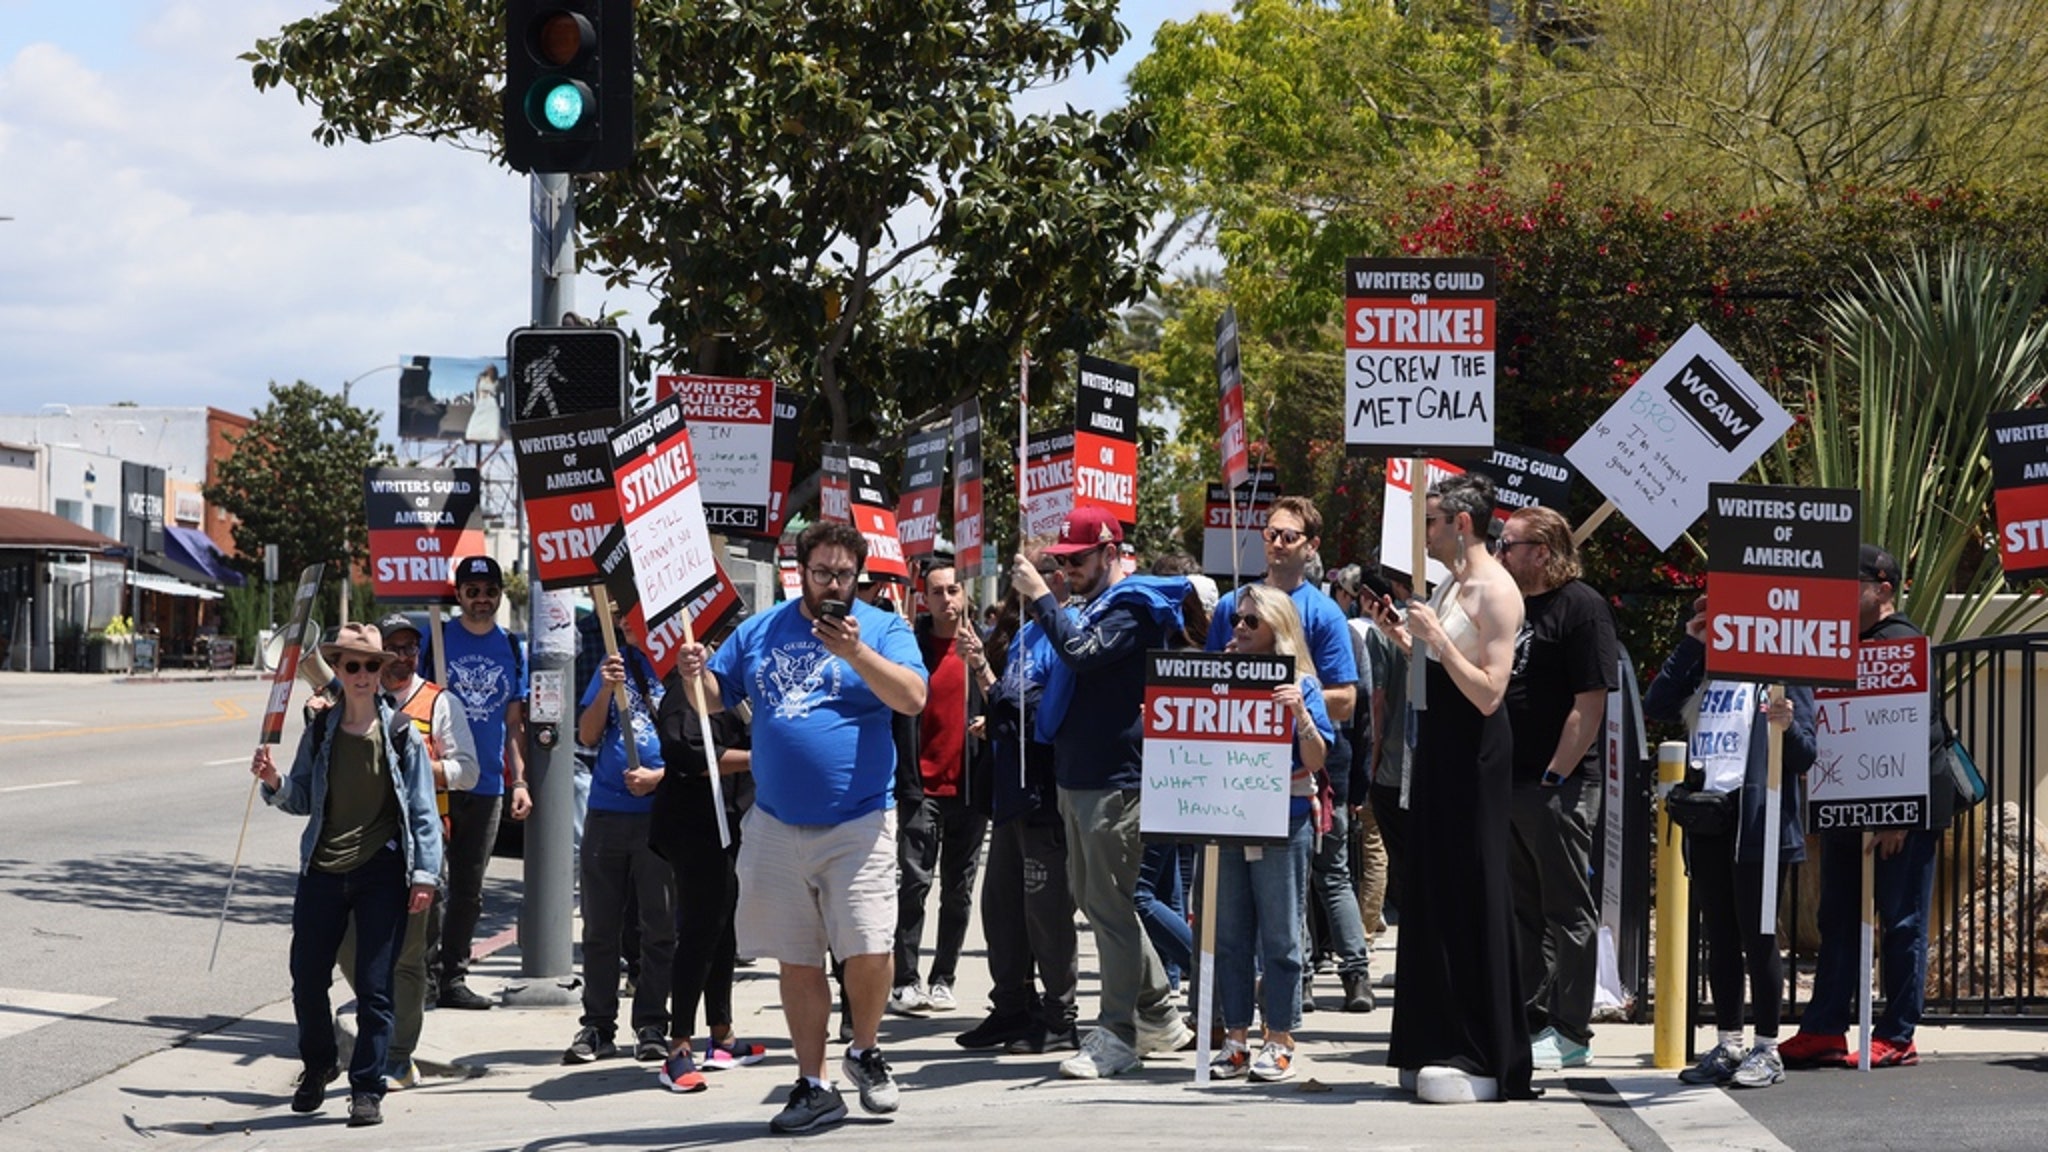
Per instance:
{"type": "Point", "coordinates": [27, 528]}
{"type": "Point", "coordinates": [170, 586]}
{"type": "Point", "coordinates": [197, 551]}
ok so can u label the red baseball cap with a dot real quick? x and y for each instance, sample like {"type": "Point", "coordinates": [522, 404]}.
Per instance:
{"type": "Point", "coordinates": [1086, 528]}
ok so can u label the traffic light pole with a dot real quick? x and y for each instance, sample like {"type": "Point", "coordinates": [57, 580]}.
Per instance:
{"type": "Point", "coordinates": [546, 957]}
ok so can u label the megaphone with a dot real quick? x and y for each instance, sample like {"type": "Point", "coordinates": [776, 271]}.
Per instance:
{"type": "Point", "coordinates": [313, 669]}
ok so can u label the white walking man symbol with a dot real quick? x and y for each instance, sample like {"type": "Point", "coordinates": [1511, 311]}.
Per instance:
{"type": "Point", "coordinates": [537, 384]}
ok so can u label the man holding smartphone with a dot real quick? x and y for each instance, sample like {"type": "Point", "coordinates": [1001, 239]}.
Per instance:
{"type": "Point", "coordinates": [1557, 706]}
{"type": "Point", "coordinates": [824, 674]}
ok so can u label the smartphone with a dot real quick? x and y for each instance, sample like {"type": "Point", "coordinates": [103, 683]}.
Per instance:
{"type": "Point", "coordinates": [832, 609]}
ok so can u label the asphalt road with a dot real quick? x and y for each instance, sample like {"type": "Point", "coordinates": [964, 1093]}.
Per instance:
{"type": "Point", "coordinates": [120, 804]}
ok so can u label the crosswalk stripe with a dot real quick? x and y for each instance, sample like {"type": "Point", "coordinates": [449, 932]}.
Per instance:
{"type": "Point", "coordinates": [22, 1009]}
{"type": "Point", "coordinates": [1686, 1118]}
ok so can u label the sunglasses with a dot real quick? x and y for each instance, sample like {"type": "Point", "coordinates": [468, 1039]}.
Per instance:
{"type": "Point", "coordinates": [1077, 559]}
{"type": "Point", "coordinates": [1287, 536]}
{"type": "Point", "coordinates": [1244, 620]}
{"type": "Point", "coordinates": [352, 667]}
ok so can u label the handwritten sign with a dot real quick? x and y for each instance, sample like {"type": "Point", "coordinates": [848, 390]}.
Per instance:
{"type": "Point", "coordinates": [1048, 481]}
{"type": "Point", "coordinates": [1418, 356]}
{"type": "Point", "coordinates": [732, 427]}
{"type": "Point", "coordinates": [1871, 766]}
{"type": "Point", "coordinates": [654, 472]}
{"type": "Point", "coordinates": [1218, 751]}
{"type": "Point", "coordinates": [1695, 418]}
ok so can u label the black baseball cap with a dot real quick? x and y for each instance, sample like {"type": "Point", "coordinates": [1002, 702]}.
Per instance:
{"type": "Point", "coordinates": [471, 569]}
{"type": "Point", "coordinates": [1874, 563]}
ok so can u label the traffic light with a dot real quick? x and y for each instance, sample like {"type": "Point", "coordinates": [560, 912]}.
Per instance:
{"type": "Point", "coordinates": [568, 85]}
{"type": "Point", "coordinates": [560, 371]}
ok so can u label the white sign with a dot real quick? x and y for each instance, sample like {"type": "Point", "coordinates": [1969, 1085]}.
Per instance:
{"type": "Point", "coordinates": [1695, 418]}
{"type": "Point", "coordinates": [1870, 768]}
{"type": "Point", "coordinates": [1720, 740]}
{"type": "Point", "coordinates": [732, 429]}
{"type": "Point", "coordinates": [1397, 517]}
{"type": "Point", "coordinates": [1219, 753]}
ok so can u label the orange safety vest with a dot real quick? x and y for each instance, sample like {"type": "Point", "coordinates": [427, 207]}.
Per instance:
{"type": "Point", "coordinates": [421, 709]}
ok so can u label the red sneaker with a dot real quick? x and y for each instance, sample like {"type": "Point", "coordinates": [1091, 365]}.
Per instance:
{"type": "Point", "coordinates": [1816, 1050]}
{"type": "Point", "coordinates": [1892, 1054]}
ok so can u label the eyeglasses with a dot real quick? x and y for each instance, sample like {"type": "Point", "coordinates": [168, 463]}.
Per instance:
{"type": "Point", "coordinates": [1244, 620]}
{"type": "Point", "coordinates": [355, 667]}
{"type": "Point", "coordinates": [1287, 536]}
{"type": "Point", "coordinates": [402, 650]}
{"type": "Point", "coordinates": [827, 577]}
{"type": "Point", "coordinates": [1505, 546]}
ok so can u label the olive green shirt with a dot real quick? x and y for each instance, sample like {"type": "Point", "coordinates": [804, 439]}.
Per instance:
{"type": "Point", "coordinates": [362, 803]}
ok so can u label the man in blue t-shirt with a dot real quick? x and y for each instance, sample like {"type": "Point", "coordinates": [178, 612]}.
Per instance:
{"type": "Point", "coordinates": [1293, 533]}
{"type": "Point", "coordinates": [487, 672]}
{"type": "Point", "coordinates": [620, 869]}
{"type": "Point", "coordinates": [823, 676]}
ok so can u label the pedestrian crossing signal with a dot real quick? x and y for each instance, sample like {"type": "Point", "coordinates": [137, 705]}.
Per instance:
{"type": "Point", "coordinates": [566, 371]}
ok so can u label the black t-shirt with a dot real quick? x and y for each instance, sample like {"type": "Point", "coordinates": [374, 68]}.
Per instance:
{"type": "Point", "coordinates": [1566, 646]}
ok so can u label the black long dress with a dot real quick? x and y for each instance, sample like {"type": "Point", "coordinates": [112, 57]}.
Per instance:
{"type": "Point", "coordinates": [1457, 998]}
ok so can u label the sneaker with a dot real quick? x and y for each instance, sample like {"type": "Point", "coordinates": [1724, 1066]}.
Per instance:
{"type": "Point", "coordinates": [941, 998]}
{"type": "Point", "coordinates": [1173, 1036]}
{"type": "Point", "coordinates": [649, 1044]}
{"type": "Point", "coordinates": [909, 1000]}
{"type": "Point", "coordinates": [1103, 1054]}
{"type": "Point", "coordinates": [1760, 1069]}
{"type": "Point", "coordinates": [1308, 990]}
{"type": "Point", "coordinates": [724, 1055]}
{"type": "Point", "coordinates": [1231, 1062]}
{"type": "Point", "coordinates": [1274, 1063]}
{"type": "Point", "coordinates": [1892, 1054]}
{"type": "Point", "coordinates": [365, 1110]}
{"type": "Point", "coordinates": [1716, 1067]}
{"type": "Point", "coordinates": [459, 996]}
{"type": "Point", "coordinates": [1816, 1050]}
{"type": "Point", "coordinates": [312, 1089]}
{"type": "Point", "coordinates": [1574, 1055]}
{"type": "Point", "coordinates": [997, 1031]}
{"type": "Point", "coordinates": [401, 1076]}
{"type": "Point", "coordinates": [588, 1046]}
{"type": "Point", "coordinates": [870, 1074]}
{"type": "Point", "coordinates": [1358, 995]}
{"type": "Point", "coordinates": [809, 1107]}
{"type": "Point", "coordinates": [1443, 1084]}
{"type": "Point", "coordinates": [1041, 1039]}
{"type": "Point", "coordinates": [679, 1073]}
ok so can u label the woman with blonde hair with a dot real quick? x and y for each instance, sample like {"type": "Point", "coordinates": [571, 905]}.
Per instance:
{"type": "Point", "coordinates": [1259, 890]}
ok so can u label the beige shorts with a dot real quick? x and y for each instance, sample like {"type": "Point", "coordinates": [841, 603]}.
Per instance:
{"type": "Point", "coordinates": [806, 888]}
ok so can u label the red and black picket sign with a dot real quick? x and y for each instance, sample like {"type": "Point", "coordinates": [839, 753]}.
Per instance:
{"type": "Point", "coordinates": [1781, 583]}
{"type": "Point", "coordinates": [734, 429]}
{"type": "Point", "coordinates": [421, 520]}
{"type": "Point", "coordinates": [1106, 439]}
{"type": "Point", "coordinates": [1231, 442]}
{"type": "Point", "coordinates": [565, 480]}
{"type": "Point", "coordinates": [923, 491]}
{"type": "Point", "coordinates": [1048, 481]}
{"type": "Point", "coordinates": [2018, 446]}
{"type": "Point", "coordinates": [868, 504]}
{"type": "Point", "coordinates": [661, 508]}
{"type": "Point", "coordinates": [969, 555]}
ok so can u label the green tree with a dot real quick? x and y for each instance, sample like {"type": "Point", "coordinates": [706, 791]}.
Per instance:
{"type": "Point", "coordinates": [838, 192]}
{"type": "Point", "coordinates": [295, 479]}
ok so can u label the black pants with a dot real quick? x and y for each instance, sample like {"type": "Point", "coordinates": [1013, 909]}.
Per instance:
{"type": "Point", "coordinates": [941, 835]}
{"type": "Point", "coordinates": [1729, 895]}
{"type": "Point", "coordinates": [707, 890]}
{"type": "Point", "coordinates": [1027, 917]}
{"type": "Point", "coordinates": [617, 862]}
{"type": "Point", "coordinates": [472, 829]}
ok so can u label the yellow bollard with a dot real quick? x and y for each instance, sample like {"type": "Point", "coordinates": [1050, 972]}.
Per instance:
{"type": "Point", "coordinates": [1673, 919]}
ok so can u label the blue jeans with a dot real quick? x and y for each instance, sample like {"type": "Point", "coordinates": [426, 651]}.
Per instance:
{"type": "Point", "coordinates": [375, 896]}
{"type": "Point", "coordinates": [1904, 891]}
{"type": "Point", "coordinates": [1258, 929]}
{"type": "Point", "coordinates": [1163, 875]}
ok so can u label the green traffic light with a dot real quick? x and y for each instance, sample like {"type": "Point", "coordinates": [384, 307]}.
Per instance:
{"type": "Point", "coordinates": [562, 107]}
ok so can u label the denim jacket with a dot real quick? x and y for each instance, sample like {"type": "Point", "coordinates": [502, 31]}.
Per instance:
{"type": "Point", "coordinates": [303, 791]}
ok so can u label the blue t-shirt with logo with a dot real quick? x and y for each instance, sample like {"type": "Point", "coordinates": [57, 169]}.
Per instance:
{"type": "Point", "coordinates": [486, 673]}
{"type": "Point", "coordinates": [1322, 623]}
{"type": "Point", "coordinates": [824, 752]}
{"type": "Point", "coordinates": [608, 791]}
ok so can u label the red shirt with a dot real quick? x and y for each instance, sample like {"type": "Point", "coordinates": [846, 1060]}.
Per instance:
{"type": "Point", "coordinates": [942, 731]}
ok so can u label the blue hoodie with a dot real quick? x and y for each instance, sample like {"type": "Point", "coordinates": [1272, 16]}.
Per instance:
{"type": "Point", "coordinates": [1093, 708]}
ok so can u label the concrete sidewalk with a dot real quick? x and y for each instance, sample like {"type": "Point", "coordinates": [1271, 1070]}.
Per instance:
{"type": "Point", "coordinates": [507, 1089]}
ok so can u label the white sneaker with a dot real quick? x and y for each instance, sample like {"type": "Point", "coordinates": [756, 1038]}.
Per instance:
{"type": "Point", "coordinates": [941, 999]}
{"type": "Point", "coordinates": [1438, 1084]}
{"type": "Point", "coordinates": [1175, 1036]}
{"type": "Point", "coordinates": [1103, 1054]}
{"type": "Point", "coordinates": [909, 1000]}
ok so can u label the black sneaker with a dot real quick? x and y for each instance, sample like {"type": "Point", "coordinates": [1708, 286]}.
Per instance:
{"type": "Point", "coordinates": [997, 1031]}
{"type": "Point", "coordinates": [364, 1110]}
{"type": "Point", "coordinates": [459, 996]}
{"type": "Point", "coordinates": [1041, 1040]}
{"type": "Point", "coordinates": [809, 1107]}
{"type": "Point", "coordinates": [312, 1089]}
{"type": "Point", "coordinates": [870, 1074]}
{"type": "Point", "coordinates": [1358, 995]}
{"type": "Point", "coordinates": [590, 1045]}
{"type": "Point", "coordinates": [650, 1045]}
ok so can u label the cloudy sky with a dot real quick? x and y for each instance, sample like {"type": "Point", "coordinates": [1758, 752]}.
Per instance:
{"type": "Point", "coordinates": [180, 239]}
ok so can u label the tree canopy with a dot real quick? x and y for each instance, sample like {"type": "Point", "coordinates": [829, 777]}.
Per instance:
{"type": "Point", "coordinates": [295, 479]}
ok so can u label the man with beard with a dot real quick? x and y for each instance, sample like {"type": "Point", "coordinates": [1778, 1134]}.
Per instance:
{"type": "Point", "coordinates": [823, 674]}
